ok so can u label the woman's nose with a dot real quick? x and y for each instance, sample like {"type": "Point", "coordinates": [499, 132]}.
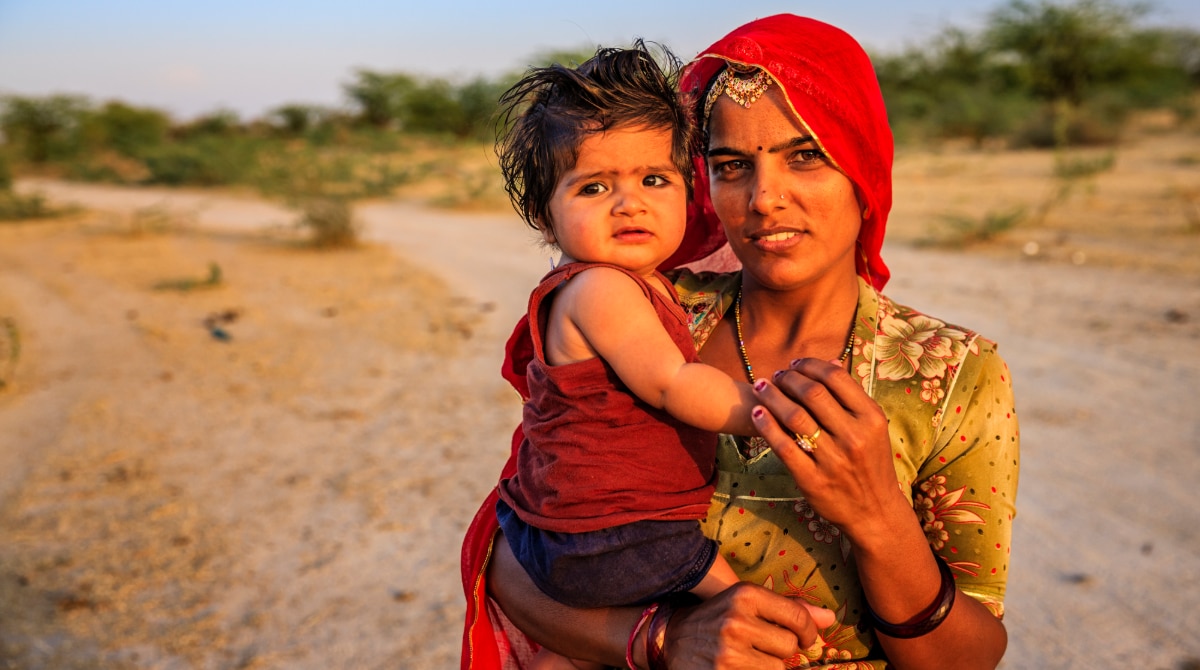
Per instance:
{"type": "Point", "coordinates": [768, 193]}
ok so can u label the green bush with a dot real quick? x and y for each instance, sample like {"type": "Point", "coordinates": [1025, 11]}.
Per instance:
{"type": "Point", "coordinates": [1043, 129]}
{"type": "Point", "coordinates": [17, 207]}
{"type": "Point", "coordinates": [296, 120]}
{"type": "Point", "coordinates": [128, 130]}
{"type": "Point", "coordinates": [44, 129]}
{"type": "Point", "coordinates": [378, 96]}
{"type": "Point", "coordinates": [6, 176]}
{"type": "Point", "coordinates": [204, 161]}
{"type": "Point", "coordinates": [219, 123]}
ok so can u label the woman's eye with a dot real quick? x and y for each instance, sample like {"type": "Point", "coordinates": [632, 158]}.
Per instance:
{"type": "Point", "coordinates": [727, 168]}
{"type": "Point", "coordinates": [809, 156]}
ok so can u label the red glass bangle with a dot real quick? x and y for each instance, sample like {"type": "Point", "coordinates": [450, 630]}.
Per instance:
{"type": "Point", "coordinates": [656, 636]}
{"type": "Point", "coordinates": [637, 628]}
{"type": "Point", "coordinates": [925, 621]}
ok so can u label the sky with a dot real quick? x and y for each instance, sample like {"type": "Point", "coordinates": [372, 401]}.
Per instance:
{"type": "Point", "coordinates": [191, 58]}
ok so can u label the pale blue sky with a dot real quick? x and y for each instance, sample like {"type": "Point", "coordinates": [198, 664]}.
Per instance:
{"type": "Point", "coordinates": [251, 55]}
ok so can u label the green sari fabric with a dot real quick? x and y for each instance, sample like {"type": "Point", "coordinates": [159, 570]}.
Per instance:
{"type": "Point", "coordinates": [953, 428]}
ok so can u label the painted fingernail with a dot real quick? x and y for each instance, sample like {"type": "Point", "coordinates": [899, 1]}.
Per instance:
{"type": "Point", "coordinates": [779, 373]}
{"type": "Point", "coordinates": [794, 363]}
{"type": "Point", "coordinates": [757, 412]}
{"type": "Point", "coordinates": [760, 385]}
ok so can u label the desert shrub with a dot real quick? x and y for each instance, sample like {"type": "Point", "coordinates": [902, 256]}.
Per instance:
{"type": "Point", "coordinates": [430, 108]}
{"type": "Point", "coordinates": [1090, 125]}
{"type": "Point", "coordinates": [329, 222]}
{"type": "Point", "coordinates": [333, 128]}
{"type": "Point", "coordinates": [977, 113]}
{"type": "Point", "coordinates": [10, 350]}
{"type": "Point", "coordinates": [297, 120]}
{"type": "Point", "coordinates": [202, 161]}
{"type": "Point", "coordinates": [410, 104]}
{"type": "Point", "coordinates": [6, 176]}
{"type": "Point", "coordinates": [377, 97]}
{"type": "Point", "coordinates": [184, 284]}
{"type": "Point", "coordinates": [44, 129]}
{"type": "Point", "coordinates": [295, 173]}
{"type": "Point", "coordinates": [178, 165]}
{"type": "Point", "coordinates": [218, 123]}
{"type": "Point", "coordinates": [106, 166]}
{"type": "Point", "coordinates": [127, 130]}
{"type": "Point", "coordinates": [959, 230]}
{"type": "Point", "coordinates": [17, 207]}
{"type": "Point", "coordinates": [1069, 167]}
{"type": "Point", "coordinates": [477, 99]}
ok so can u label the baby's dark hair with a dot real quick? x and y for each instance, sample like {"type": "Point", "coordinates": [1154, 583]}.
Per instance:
{"type": "Point", "coordinates": [545, 117]}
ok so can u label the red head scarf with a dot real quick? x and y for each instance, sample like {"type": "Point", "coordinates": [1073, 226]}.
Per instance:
{"type": "Point", "coordinates": [832, 89]}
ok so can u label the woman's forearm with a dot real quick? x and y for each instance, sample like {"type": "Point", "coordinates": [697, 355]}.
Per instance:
{"type": "Point", "coordinates": [900, 577]}
{"type": "Point", "coordinates": [587, 634]}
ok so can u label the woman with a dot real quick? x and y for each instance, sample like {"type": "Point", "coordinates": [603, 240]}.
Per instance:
{"type": "Point", "coordinates": [797, 159]}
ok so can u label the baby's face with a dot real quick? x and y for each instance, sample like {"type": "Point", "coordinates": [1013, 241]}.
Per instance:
{"type": "Point", "coordinates": [623, 202]}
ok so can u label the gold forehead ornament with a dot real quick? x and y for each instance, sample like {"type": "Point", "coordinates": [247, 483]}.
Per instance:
{"type": "Point", "coordinates": [742, 91]}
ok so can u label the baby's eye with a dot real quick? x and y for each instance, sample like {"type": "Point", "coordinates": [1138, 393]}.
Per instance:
{"type": "Point", "coordinates": [594, 188]}
{"type": "Point", "coordinates": [655, 180]}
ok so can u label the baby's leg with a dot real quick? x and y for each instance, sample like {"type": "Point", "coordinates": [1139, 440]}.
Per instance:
{"type": "Point", "coordinates": [720, 577]}
{"type": "Point", "coordinates": [548, 660]}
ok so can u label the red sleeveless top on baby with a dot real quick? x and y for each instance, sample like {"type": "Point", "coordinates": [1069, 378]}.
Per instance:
{"type": "Point", "coordinates": [595, 455]}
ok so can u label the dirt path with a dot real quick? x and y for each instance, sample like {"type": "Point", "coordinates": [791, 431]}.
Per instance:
{"type": "Point", "coordinates": [294, 495]}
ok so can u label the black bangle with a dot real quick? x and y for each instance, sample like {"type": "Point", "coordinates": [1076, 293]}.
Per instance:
{"type": "Point", "coordinates": [656, 636]}
{"type": "Point", "coordinates": [925, 621]}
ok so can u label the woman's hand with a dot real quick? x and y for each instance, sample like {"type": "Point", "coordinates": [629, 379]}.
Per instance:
{"type": "Point", "coordinates": [746, 626]}
{"type": "Point", "coordinates": [848, 476]}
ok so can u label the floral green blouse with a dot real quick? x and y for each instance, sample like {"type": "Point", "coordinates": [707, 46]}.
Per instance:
{"type": "Point", "coordinates": [953, 428]}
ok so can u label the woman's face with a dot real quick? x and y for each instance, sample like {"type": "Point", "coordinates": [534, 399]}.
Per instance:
{"type": "Point", "coordinates": [790, 216]}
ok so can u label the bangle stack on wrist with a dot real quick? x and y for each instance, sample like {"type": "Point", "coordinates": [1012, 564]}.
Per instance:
{"type": "Point", "coordinates": [925, 621]}
{"type": "Point", "coordinates": [656, 636]}
{"type": "Point", "coordinates": [647, 614]}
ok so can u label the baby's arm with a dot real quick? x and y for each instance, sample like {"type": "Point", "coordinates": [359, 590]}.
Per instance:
{"type": "Point", "coordinates": [610, 311]}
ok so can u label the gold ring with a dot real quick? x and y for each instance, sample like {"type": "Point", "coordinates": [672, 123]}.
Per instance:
{"type": "Point", "coordinates": [808, 443]}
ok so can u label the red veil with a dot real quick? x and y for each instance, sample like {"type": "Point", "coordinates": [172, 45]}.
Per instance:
{"type": "Point", "coordinates": [832, 89]}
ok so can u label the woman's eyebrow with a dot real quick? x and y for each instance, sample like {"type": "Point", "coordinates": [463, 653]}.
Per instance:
{"type": "Point", "coordinates": [791, 144]}
{"type": "Point", "coordinates": [782, 146]}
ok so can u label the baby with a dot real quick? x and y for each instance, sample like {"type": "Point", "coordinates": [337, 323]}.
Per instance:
{"type": "Point", "coordinates": [620, 427]}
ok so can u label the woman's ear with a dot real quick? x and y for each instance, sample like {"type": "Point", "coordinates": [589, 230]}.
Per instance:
{"type": "Point", "coordinates": [863, 205]}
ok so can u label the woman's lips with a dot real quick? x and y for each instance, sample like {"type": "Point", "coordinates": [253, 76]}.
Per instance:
{"type": "Point", "coordinates": [777, 240]}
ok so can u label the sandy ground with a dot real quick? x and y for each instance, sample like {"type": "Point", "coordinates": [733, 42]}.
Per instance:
{"type": "Point", "coordinates": [276, 472]}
